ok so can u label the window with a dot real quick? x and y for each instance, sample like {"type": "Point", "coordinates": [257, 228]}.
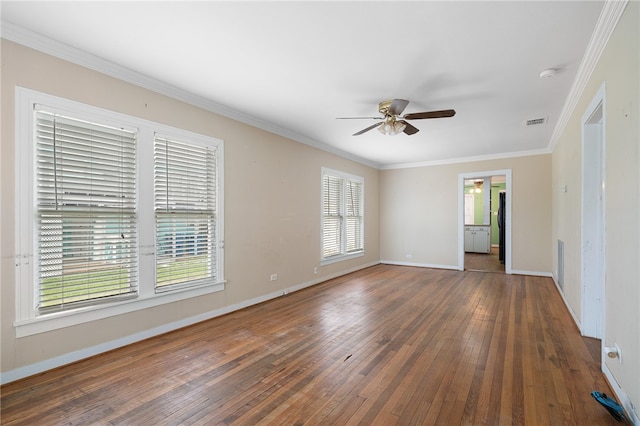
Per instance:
{"type": "Point", "coordinates": [185, 209]}
{"type": "Point", "coordinates": [86, 216]}
{"type": "Point", "coordinates": [342, 216]}
{"type": "Point", "coordinates": [113, 213]}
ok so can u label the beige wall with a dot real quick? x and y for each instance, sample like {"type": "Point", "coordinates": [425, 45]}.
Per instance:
{"type": "Point", "coordinates": [419, 212]}
{"type": "Point", "coordinates": [272, 205]}
{"type": "Point", "coordinates": [619, 69]}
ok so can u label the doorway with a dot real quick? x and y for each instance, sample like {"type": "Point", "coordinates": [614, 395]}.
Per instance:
{"type": "Point", "coordinates": [593, 218]}
{"type": "Point", "coordinates": [485, 188]}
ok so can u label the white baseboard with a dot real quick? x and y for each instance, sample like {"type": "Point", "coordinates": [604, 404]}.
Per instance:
{"type": "Point", "coordinates": [55, 362]}
{"type": "Point", "coordinates": [421, 265]}
{"type": "Point", "coordinates": [457, 268]}
{"type": "Point", "coordinates": [532, 273]}
{"type": "Point", "coordinates": [621, 396]}
{"type": "Point", "coordinates": [566, 303]}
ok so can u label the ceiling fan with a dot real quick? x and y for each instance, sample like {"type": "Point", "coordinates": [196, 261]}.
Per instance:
{"type": "Point", "coordinates": [392, 123]}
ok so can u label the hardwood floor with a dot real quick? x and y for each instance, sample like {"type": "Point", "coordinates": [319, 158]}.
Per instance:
{"type": "Point", "coordinates": [388, 345]}
{"type": "Point", "coordinates": [485, 262]}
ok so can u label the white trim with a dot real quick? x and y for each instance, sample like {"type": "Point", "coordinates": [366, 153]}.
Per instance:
{"type": "Point", "coordinates": [324, 278]}
{"type": "Point", "coordinates": [609, 16]}
{"type": "Point", "coordinates": [456, 268]}
{"type": "Point", "coordinates": [63, 51]}
{"type": "Point", "coordinates": [341, 257]}
{"type": "Point", "coordinates": [420, 265]}
{"type": "Point", "coordinates": [566, 302]}
{"type": "Point", "coordinates": [461, 160]}
{"type": "Point", "coordinates": [339, 173]}
{"type": "Point", "coordinates": [532, 273]}
{"type": "Point", "coordinates": [48, 364]}
{"type": "Point", "coordinates": [621, 396]}
{"type": "Point", "coordinates": [508, 219]}
{"type": "Point", "coordinates": [592, 281]}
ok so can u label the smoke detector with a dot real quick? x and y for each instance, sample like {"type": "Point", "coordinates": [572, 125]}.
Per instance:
{"type": "Point", "coordinates": [548, 73]}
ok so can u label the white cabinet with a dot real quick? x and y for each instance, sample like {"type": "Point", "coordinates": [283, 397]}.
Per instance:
{"type": "Point", "coordinates": [477, 238]}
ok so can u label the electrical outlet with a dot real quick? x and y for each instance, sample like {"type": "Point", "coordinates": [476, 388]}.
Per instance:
{"type": "Point", "coordinates": [274, 277]}
{"type": "Point", "coordinates": [409, 256]}
{"type": "Point", "coordinates": [315, 270]}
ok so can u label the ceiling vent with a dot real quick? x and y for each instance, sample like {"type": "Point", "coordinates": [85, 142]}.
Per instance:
{"type": "Point", "coordinates": [535, 121]}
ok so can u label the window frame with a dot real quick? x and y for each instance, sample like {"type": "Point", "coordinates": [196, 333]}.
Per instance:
{"type": "Point", "coordinates": [28, 320]}
{"type": "Point", "coordinates": [343, 254]}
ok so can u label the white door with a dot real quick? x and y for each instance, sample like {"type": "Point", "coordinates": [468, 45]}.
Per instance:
{"type": "Point", "coordinates": [469, 209]}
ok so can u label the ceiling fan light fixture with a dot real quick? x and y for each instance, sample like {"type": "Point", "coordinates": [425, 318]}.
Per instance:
{"type": "Point", "coordinates": [392, 127]}
{"type": "Point", "coordinates": [385, 129]}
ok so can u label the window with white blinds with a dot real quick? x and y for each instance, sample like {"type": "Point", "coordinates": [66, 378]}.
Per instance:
{"type": "Point", "coordinates": [110, 215]}
{"type": "Point", "coordinates": [86, 212]}
{"type": "Point", "coordinates": [342, 215]}
{"type": "Point", "coordinates": [332, 235]}
{"type": "Point", "coordinates": [353, 215]}
{"type": "Point", "coordinates": [185, 212]}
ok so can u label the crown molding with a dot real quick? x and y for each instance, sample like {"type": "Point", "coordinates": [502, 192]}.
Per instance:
{"type": "Point", "coordinates": [74, 55]}
{"type": "Point", "coordinates": [459, 160]}
{"type": "Point", "coordinates": [607, 21]}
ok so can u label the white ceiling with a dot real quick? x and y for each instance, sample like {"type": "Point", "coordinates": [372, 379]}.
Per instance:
{"type": "Point", "coordinates": [296, 66]}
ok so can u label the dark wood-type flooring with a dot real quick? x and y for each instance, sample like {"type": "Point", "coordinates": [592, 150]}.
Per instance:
{"type": "Point", "coordinates": [486, 262]}
{"type": "Point", "coordinates": [388, 345]}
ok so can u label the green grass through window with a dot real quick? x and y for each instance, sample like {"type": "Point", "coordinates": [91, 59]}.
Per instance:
{"type": "Point", "coordinates": [101, 282]}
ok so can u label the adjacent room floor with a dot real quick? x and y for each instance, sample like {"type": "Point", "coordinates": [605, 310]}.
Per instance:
{"type": "Point", "coordinates": [486, 262]}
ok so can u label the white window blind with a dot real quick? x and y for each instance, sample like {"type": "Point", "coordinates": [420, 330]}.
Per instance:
{"type": "Point", "coordinates": [353, 201]}
{"type": "Point", "coordinates": [331, 215]}
{"type": "Point", "coordinates": [342, 215]}
{"type": "Point", "coordinates": [185, 210]}
{"type": "Point", "coordinates": [85, 184]}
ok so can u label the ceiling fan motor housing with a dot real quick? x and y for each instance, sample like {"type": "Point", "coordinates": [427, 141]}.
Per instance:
{"type": "Point", "coordinates": [384, 107]}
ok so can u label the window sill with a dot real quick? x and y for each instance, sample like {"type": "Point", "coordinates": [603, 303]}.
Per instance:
{"type": "Point", "coordinates": [341, 257]}
{"type": "Point", "coordinates": [54, 321]}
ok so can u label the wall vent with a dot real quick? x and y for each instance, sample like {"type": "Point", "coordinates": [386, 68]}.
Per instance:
{"type": "Point", "coordinates": [561, 264]}
{"type": "Point", "coordinates": [535, 121]}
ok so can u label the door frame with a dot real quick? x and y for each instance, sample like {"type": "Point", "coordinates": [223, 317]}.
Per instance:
{"type": "Point", "coordinates": [508, 220]}
{"type": "Point", "coordinates": [593, 214]}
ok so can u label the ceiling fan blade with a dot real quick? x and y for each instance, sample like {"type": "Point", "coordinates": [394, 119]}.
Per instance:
{"type": "Point", "coordinates": [397, 106]}
{"type": "Point", "coordinates": [430, 114]}
{"type": "Point", "coordinates": [359, 118]}
{"type": "Point", "coordinates": [368, 128]}
{"type": "Point", "coordinates": [409, 129]}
